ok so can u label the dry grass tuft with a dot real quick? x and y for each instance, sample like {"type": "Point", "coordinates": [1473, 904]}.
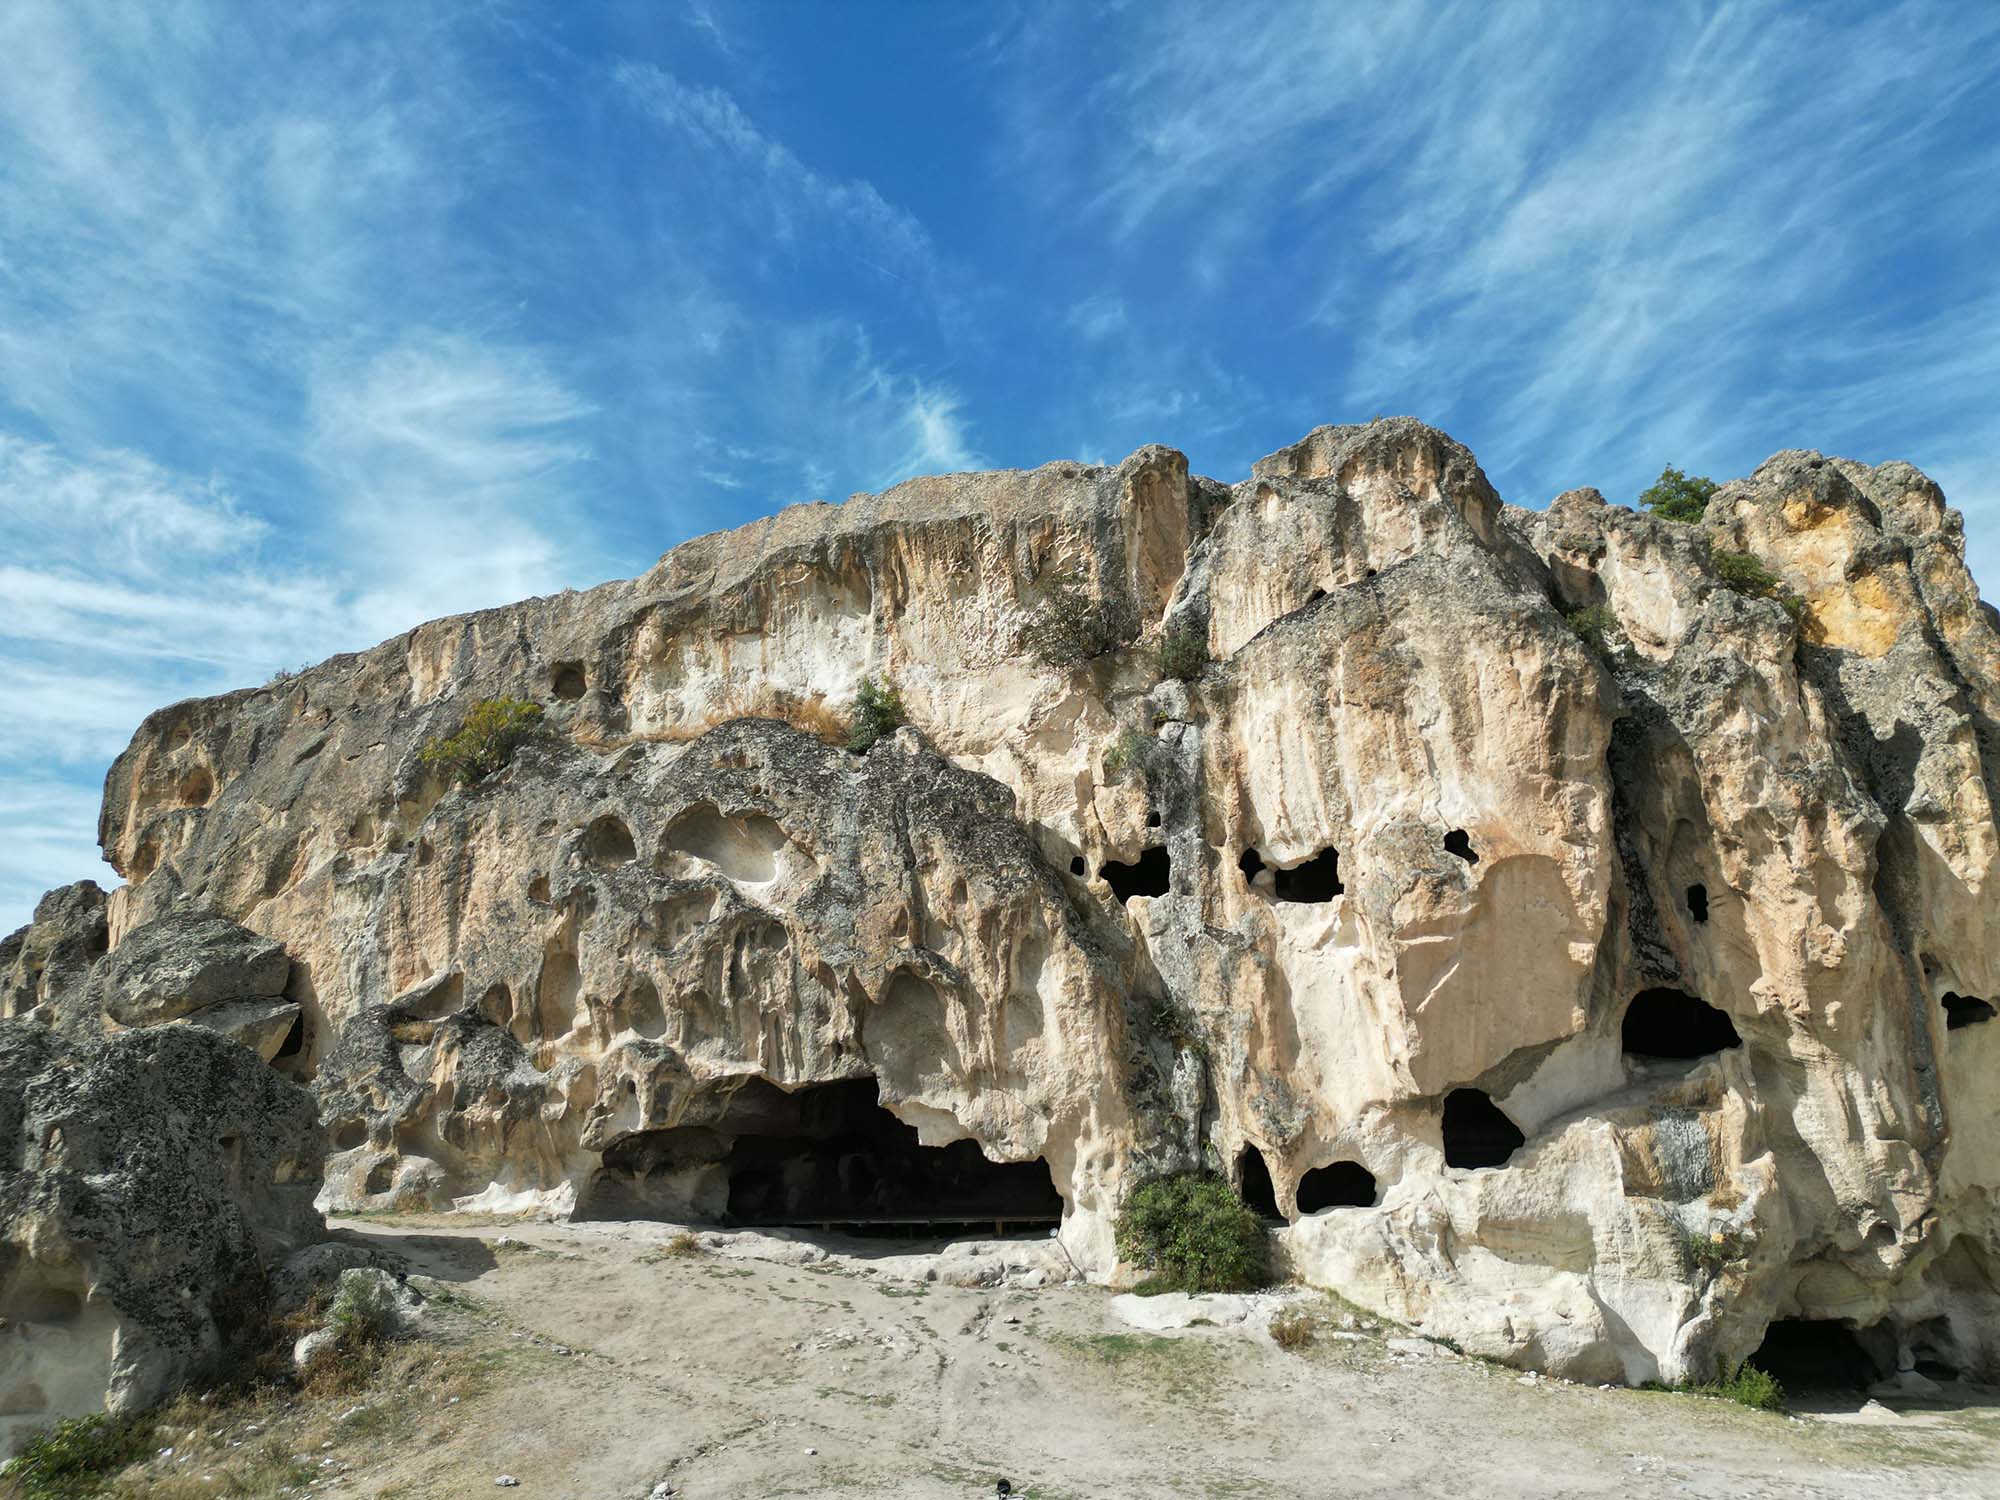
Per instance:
{"type": "Point", "coordinates": [1294, 1329]}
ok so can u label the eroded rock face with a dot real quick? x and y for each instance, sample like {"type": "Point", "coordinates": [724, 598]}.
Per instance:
{"type": "Point", "coordinates": [46, 966]}
{"type": "Point", "coordinates": [1593, 1010]}
{"type": "Point", "coordinates": [147, 1182]}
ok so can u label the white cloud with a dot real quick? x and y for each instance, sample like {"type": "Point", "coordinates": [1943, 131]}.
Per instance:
{"type": "Point", "coordinates": [797, 208]}
{"type": "Point", "coordinates": [1603, 233]}
{"type": "Point", "coordinates": [1098, 317]}
{"type": "Point", "coordinates": [42, 849]}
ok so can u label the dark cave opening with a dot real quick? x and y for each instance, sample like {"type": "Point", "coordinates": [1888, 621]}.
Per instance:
{"type": "Point", "coordinates": [1078, 868]}
{"type": "Point", "coordinates": [1965, 1010]}
{"type": "Point", "coordinates": [1345, 1184]}
{"type": "Point", "coordinates": [831, 1154]}
{"type": "Point", "coordinates": [1151, 876]}
{"type": "Point", "coordinates": [566, 680]}
{"type": "Point", "coordinates": [1256, 1191]}
{"type": "Point", "coordinates": [295, 1038]}
{"type": "Point", "coordinates": [1459, 842]}
{"type": "Point", "coordinates": [1476, 1133]}
{"type": "Point", "coordinates": [1697, 899]}
{"type": "Point", "coordinates": [1314, 881]}
{"type": "Point", "coordinates": [1662, 1023]}
{"type": "Point", "coordinates": [1812, 1354]}
{"type": "Point", "coordinates": [1318, 879]}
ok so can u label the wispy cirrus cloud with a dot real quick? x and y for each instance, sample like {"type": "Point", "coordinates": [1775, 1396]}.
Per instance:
{"type": "Point", "coordinates": [1593, 240]}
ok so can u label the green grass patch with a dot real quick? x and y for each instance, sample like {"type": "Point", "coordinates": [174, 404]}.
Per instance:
{"type": "Point", "coordinates": [78, 1456]}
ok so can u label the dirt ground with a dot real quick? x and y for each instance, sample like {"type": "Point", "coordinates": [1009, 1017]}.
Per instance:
{"type": "Point", "coordinates": [612, 1365]}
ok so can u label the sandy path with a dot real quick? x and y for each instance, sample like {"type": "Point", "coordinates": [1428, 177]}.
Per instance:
{"type": "Point", "coordinates": [718, 1372]}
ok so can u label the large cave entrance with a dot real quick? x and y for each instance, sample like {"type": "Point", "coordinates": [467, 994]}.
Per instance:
{"type": "Point", "coordinates": [1810, 1355]}
{"type": "Point", "coordinates": [830, 1154]}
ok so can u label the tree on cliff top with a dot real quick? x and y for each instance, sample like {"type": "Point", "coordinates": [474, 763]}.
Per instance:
{"type": "Point", "coordinates": [1677, 496]}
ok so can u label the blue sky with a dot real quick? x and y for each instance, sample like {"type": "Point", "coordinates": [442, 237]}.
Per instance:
{"type": "Point", "coordinates": [319, 320]}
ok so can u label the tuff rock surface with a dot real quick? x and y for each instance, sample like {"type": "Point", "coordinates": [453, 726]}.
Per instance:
{"type": "Point", "coordinates": [1592, 1008]}
{"type": "Point", "coordinates": [45, 967]}
{"type": "Point", "coordinates": [147, 1182]}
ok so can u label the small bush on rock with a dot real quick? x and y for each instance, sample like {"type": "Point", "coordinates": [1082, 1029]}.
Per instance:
{"type": "Point", "coordinates": [492, 730]}
{"type": "Point", "coordinates": [1194, 1234]}
{"type": "Point", "coordinates": [1677, 496]}
{"type": "Point", "coordinates": [1183, 653]}
{"type": "Point", "coordinates": [1749, 577]}
{"type": "Point", "coordinates": [1126, 752]}
{"type": "Point", "coordinates": [878, 711]}
{"type": "Point", "coordinates": [1593, 625]}
{"type": "Point", "coordinates": [77, 1457]}
{"type": "Point", "coordinates": [364, 1312]}
{"type": "Point", "coordinates": [1072, 627]}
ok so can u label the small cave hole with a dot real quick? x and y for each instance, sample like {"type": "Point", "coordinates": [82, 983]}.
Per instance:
{"type": "Point", "coordinates": [1814, 1354]}
{"type": "Point", "coordinates": [349, 1136]}
{"type": "Point", "coordinates": [196, 788]}
{"type": "Point", "coordinates": [1697, 897]}
{"type": "Point", "coordinates": [608, 844]}
{"type": "Point", "coordinates": [1078, 868]}
{"type": "Point", "coordinates": [538, 889]}
{"type": "Point", "coordinates": [1662, 1023]}
{"type": "Point", "coordinates": [1965, 1010]}
{"type": "Point", "coordinates": [1254, 1179]}
{"type": "Point", "coordinates": [1251, 864]}
{"type": "Point", "coordinates": [1476, 1133]}
{"type": "Point", "coordinates": [1317, 880]}
{"type": "Point", "coordinates": [1151, 876]}
{"type": "Point", "coordinates": [1459, 842]}
{"type": "Point", "coordinates": [566, 681]}
{"type": "Point", "coordinates": [1345, 1184]}
{"type": "Point", "coordinates": [1315, 596]}
{"type": "Point", "coordinates": [295, 1039]}
{"type": "Point", "coordinates": [1152, 820]}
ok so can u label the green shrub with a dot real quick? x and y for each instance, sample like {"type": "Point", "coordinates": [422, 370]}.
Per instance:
{"type": "Point", "coordinates": [1184, 653]}
{"type": "Point", "coordinates": [1194, 1234]}
{"type": "Point", "coordinates": [1073, 627]}
{"type": "Point", "coordinates": [364, 1310]}
{"type": "Point", "coordinates": [1710, 1252]}
{"type": "Point", "coordinates": [877, 711]}
{"type": "Point", "coordinates": [1749, 577]}
{"type": "Point", "coordinates": [1677, 497]}
{"type": "Point", "coordinates": [1593, 625]}
{"type": "Point", "coordinates": [1746, 1385]}
{"type": "Point", "coordinates": [1127, 751]}
{"type": "Point", "coordinates": [492, 730]}
{"type": "Point", "coordinates": [77, 1457]}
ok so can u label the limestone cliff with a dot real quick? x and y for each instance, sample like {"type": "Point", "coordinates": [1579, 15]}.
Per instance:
{"type": "Point", "coordinates": [1592, 997]}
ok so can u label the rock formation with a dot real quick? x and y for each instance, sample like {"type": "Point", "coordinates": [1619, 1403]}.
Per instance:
{"type": "Point", "coordinates": [1582, 950]}
{"type": "Point", "coordinates": [147, 1183]}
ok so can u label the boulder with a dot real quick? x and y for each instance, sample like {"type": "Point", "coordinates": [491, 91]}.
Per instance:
{"type": "Point", "coordinates": [364, 1299]}
{"type": "Point", "coordinates": [45, 967]}
{"type": "Point", "coordinates": [184, 962]}
{"type": "Point", "coordinates": [148, 1181]}
{"type": "Point", "coordinates": [260, 1025]}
